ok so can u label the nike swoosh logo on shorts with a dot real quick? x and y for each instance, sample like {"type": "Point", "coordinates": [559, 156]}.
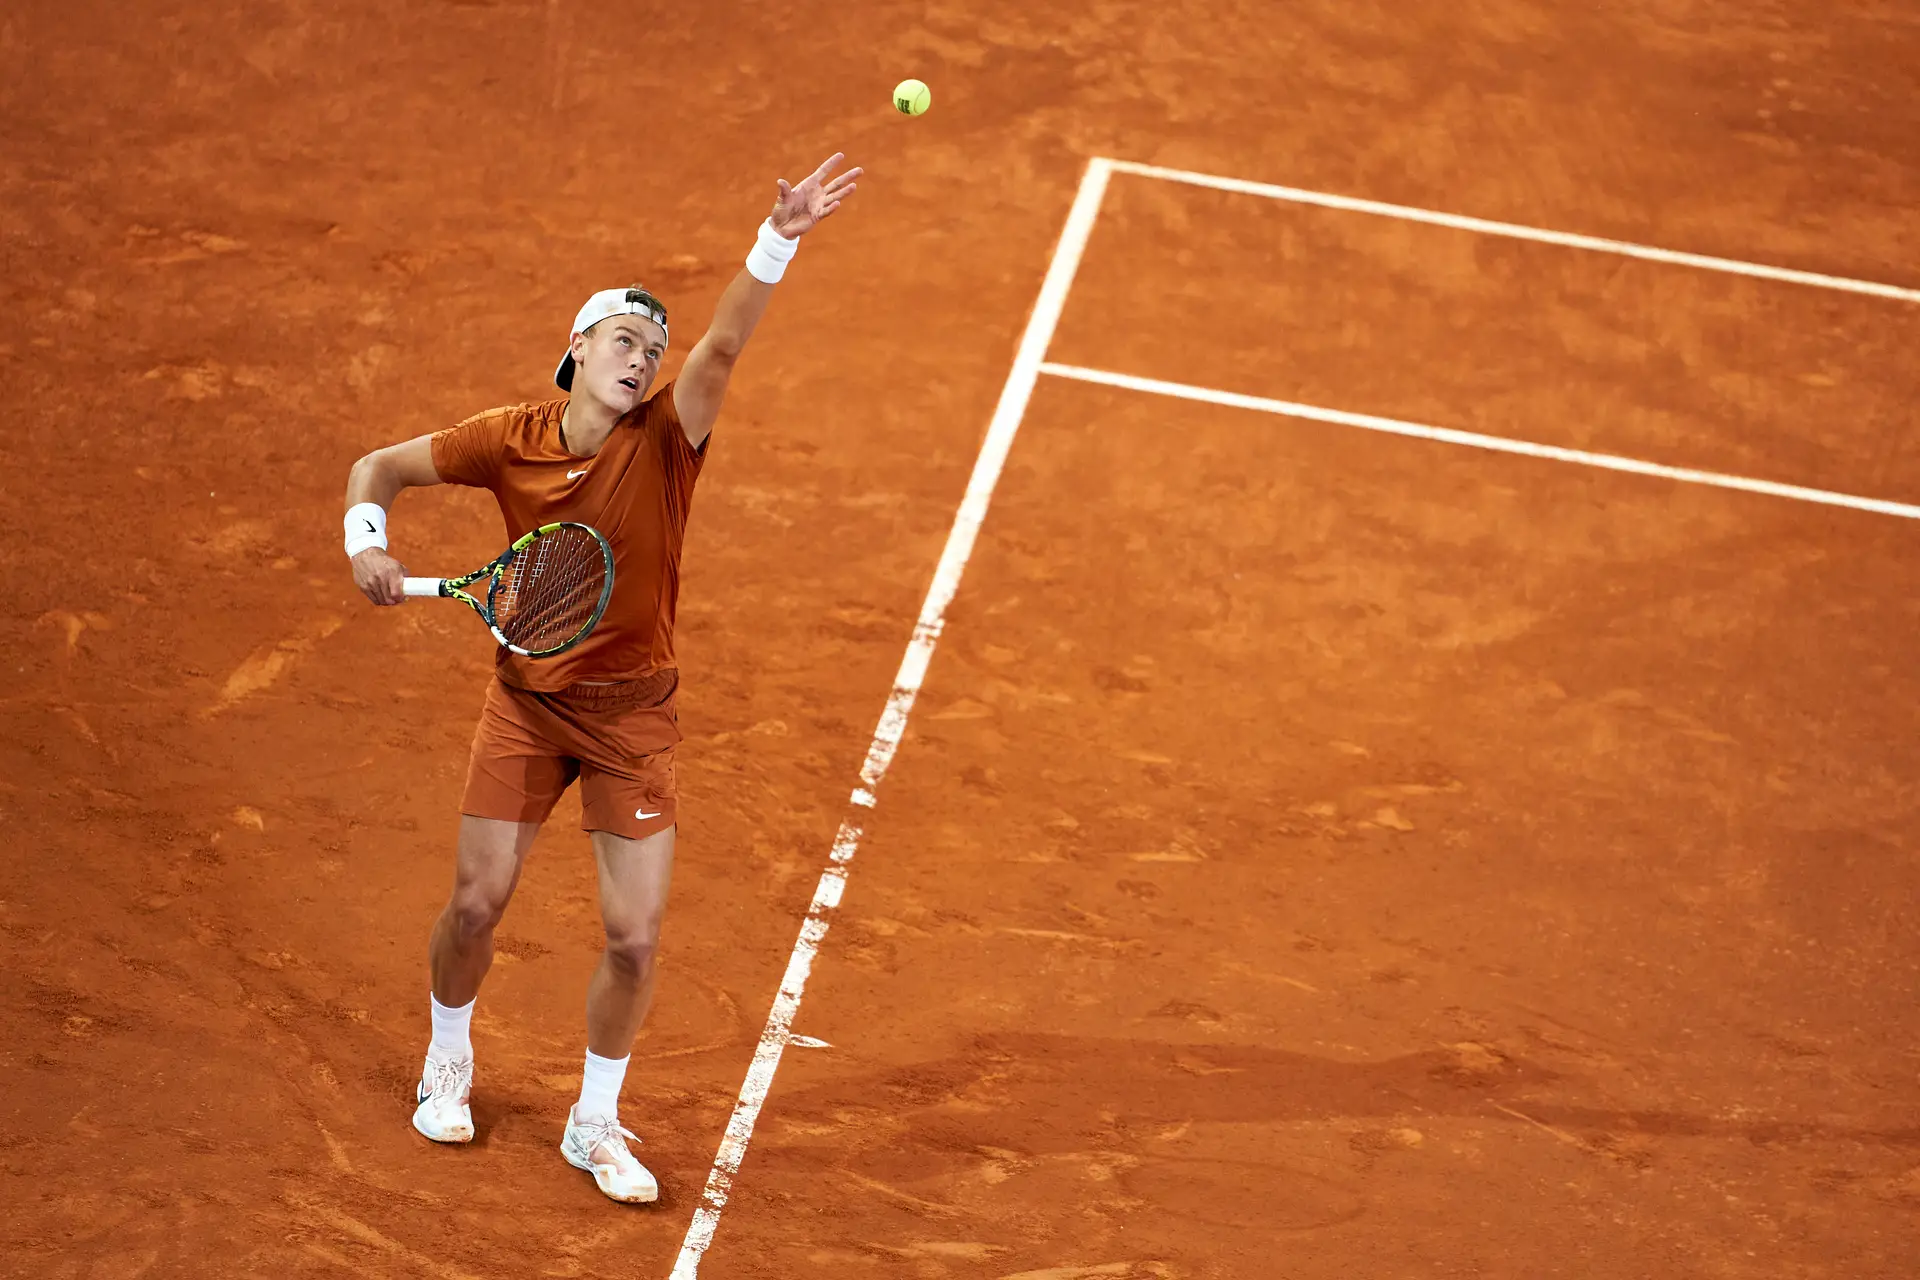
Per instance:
{"type": "Point", "coordinates": [642, 813]}
{"type": "Point", "coordinates": [575, 475]}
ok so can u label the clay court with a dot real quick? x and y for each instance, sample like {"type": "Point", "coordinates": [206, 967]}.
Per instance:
{"type": "Point", "coordinates": [1312, 851]}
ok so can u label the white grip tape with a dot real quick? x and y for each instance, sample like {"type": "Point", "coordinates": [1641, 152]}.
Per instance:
{"type": "Point", "coordinates": [420, 586]}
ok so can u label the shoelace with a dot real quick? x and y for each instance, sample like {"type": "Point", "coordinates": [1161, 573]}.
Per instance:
{"type": "Point", "coordinates": [594, 1132]}
{"type": "Point", "coordinates": [450, 1080]}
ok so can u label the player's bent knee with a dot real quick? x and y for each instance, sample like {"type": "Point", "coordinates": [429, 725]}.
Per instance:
{"type": "Point", "coordinates": [475, 913]}
{"type": "Point", "coordinates": [633, 952]}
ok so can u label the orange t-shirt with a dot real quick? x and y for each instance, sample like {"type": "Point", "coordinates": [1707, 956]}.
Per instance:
{"type": "Point", "coordinates": [636, 491]}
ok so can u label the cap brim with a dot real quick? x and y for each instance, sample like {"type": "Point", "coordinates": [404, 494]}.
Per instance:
{"type": "Point", "coordinates": [563, 376]}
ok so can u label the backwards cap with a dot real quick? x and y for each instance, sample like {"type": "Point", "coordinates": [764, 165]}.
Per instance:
{"type": "Point", "coordinates": [603, 305]}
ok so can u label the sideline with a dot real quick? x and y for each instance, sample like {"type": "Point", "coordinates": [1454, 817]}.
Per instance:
{"type": "Point", "coordinates": [778, 1032]}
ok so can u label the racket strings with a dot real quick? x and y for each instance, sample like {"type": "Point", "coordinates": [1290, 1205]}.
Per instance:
{"type": "Point", "coordinates": [551, 592]}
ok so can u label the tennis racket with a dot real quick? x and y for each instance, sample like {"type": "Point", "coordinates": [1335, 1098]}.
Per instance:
{"type": "Point", "coordinates": [545, 593]}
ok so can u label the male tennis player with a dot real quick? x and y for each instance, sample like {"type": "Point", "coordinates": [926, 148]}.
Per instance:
{"type": "Point", "coordinates": [603, 712]}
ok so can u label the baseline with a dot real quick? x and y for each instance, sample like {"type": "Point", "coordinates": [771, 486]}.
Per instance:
{"type": "Point", "coordinates": [1476, 440]}
{"type": "Point", "coordinates": [1514, 230]}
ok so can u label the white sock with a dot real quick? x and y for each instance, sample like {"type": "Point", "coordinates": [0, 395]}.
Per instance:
{"type": "Point", "coordinates": [451, 1041]}
{"type": "Point", "coordinates": [600, 1087]}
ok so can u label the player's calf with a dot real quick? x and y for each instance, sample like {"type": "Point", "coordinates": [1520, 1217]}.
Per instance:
{"type": "Point", "coordinates": [459, 953]}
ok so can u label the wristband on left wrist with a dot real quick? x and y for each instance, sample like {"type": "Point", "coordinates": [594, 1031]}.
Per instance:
{"type": "Point", "coordinates": [771, 253]}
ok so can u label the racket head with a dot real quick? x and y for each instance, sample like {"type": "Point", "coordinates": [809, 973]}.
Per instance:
{"type": "Point", "coordinates": [550, 589]}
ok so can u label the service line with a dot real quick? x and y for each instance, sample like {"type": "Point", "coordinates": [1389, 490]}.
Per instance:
{"type": "Point", "coordinates": [1515, 231]}
{"type": "Point", "coordinates": [1028, 363]}
{"type": "Point", "coordinates": [1001, 430]}
{"type": "Point", "coordinates": [1474, 439]}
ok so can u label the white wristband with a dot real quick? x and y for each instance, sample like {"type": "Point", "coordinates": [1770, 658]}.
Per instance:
{"type": "Point", "coordinates": [771, 254]}
{"type": "Point", "coordinates": [366, 526]}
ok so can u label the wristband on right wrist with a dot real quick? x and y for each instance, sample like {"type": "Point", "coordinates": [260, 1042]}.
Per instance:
{"type": "Point", "coordinates": [365, 526]}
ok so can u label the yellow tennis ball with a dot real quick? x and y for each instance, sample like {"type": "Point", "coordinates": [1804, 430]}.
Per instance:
{"type": "Point", "coordinates": [911, 97]}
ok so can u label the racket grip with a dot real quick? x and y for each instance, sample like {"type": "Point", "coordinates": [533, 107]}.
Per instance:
{"type": "Point", "coordinates": [420, 586]}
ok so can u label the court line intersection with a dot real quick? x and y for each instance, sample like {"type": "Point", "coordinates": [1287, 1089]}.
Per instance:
{"type": "Point", "coordinates": [1029, 363]}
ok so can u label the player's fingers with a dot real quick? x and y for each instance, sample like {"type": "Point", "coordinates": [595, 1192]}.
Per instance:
{"type": "Point", "coordinates": [828, 165]}
{"type": "Point", "coordinates": [785, 190]}
{"type": "Point", "coordinates": [848, 176]}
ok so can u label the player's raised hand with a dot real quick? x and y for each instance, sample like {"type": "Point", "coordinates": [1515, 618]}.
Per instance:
{"type": "Point", "coordinates": [379, 576]}
{"type": "Point", "coordinates": [800, 209]}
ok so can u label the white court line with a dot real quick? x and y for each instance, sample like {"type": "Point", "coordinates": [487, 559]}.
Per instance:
{"type": "Point", "coordinates": [893, 720]}
{"type": "Point", "coordinates": [1514, 231]}
{"type": "Point", "coordinates": [1473, 439]}
{"type": "Point", "coordinates": [1028, 364]}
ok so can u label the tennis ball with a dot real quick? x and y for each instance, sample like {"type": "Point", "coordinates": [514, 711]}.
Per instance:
{"type": "Point", "coordinates": [911, 97]}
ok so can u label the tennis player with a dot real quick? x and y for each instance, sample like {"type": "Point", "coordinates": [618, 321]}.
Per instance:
{"type": "Point", "coordinates": [609, 456]}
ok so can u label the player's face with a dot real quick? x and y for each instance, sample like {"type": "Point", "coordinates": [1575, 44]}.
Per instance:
{"type": "Point", "coordinates": [616, 361]}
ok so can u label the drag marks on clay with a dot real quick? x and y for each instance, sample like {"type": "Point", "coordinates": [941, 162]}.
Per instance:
{"type": "Point", "coordinates": [304, 1210]}
{"type": "Point", "coordinates": [267, 665]}
{"type": "Point", "coordinates": [514, 949]}
{"type": "Point", "coordinates": [997, 1118]}
{"type": "Point", "coordinates": [1068, 936]}
{"type": "Point", "coordinates": [1099, 1271]}
{"type": "Point", "coordinates": [84, 730]}
{"type": "Point", "coordinates": [917, 1204]}
{"type": "Point", "coordinates": [77, 1015]}
{"type": "Point", "coordinates": [153, 247]}
{"type": "Point", "coordinates": [194, 383]}
{"type": "Point", "coordinates": [74, 625]}
{"type": "Point", "coordinates": [1634, 1150]}
{"type": "Point", "coordinates": [715, 1023]}
{"type": "Point", "coordinates": [1213, 1192]}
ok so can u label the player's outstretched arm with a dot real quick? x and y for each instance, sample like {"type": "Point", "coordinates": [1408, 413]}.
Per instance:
{"type": "Point", "coordinates": [375, 481]}
{"type": "Point", "coordinates": [702, 384]}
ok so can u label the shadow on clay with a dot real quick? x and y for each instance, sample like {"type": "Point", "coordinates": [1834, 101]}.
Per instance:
{"type": "Point", "coordinates": [1048, 1093]}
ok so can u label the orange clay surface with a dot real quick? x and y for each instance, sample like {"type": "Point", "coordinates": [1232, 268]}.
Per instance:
{"type": "Point", "coordinates": [1314, 854]}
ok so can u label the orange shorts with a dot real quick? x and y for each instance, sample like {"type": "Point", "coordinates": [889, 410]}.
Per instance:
{"type": "Point", "coordinates": [617, 739]}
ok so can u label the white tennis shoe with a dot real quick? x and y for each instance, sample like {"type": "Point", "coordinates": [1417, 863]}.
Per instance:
{"type": "Point", "coordinates": [599, 1146]}
{"type": "Point", "coordinates": [443, 1113]}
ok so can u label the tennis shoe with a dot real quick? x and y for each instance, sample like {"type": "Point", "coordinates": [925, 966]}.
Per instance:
{"type": "Point", "coordinates": [443, 1113]}
{"type": "Point", "coordinates": [599, 1146]}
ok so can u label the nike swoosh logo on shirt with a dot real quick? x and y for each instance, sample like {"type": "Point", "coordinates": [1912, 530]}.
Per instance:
{"type": "Point", "coordinates": [575, 475]}
{"type": "Point", "coordinates": [642, 813]}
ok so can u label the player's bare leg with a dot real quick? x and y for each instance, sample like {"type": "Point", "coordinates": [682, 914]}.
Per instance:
{"type": "Point", "coordinates": [459, 953]}
{"type": "Point", "coordinates": [634, 875]}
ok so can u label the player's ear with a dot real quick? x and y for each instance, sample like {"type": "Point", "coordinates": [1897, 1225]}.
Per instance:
{"type": "Point", "coordinates": [578, 347]}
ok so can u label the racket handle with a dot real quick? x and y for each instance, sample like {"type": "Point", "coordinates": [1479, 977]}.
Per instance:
{"type": "Point", "coordinates": [420, 586]}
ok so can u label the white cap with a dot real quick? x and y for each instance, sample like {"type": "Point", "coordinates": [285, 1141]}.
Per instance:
{"type": "Point", "coordinates": [635, 301]}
